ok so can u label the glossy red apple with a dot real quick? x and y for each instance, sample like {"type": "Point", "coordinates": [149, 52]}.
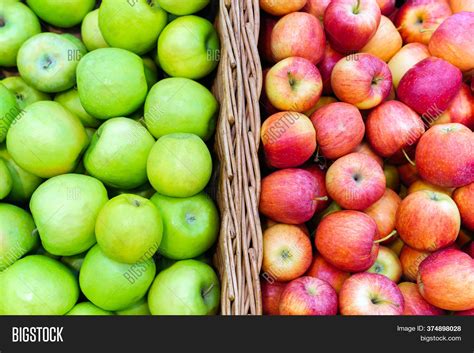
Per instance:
{"type": "Point", "coordinates": [326, 65]}
{"type": "Point", "coordinates": [408, 174]}
{"type": "Point", "coordinates": [271, 293]}
{"type": "Point", "coordinates": [386, 41]}
{"type": "Point", "coordinates": [320, 179]}
{"type": "Point", "coordinates": [386, 6]}
{"type": "Point", "coordinates": [411, 259]}
{"type": "Point", "coordinates": [415, 304]}
{"type": "Point", "coordinates": [365, 148]}
{"type": "Point", "coordinates": [461, 109]}
{"type": "Point", "coordinates": [407, 57]}
{"type": "Point", "coordinates": [323, 270]}
{"type": "Point", "coordinates": [267, 223]}
{"type": "Point", "coordinates": [281, 7]}
{"type": "Point", "coordinates": [387, 264]}
{"type": "Point", "coordinates": [464, 198]}
{"type": "Point", "coordinates": [265, 36]}
{"type": "Point", "coordinates": [384, 212]}
{"type": "Point", "coordinates": [316, 8]}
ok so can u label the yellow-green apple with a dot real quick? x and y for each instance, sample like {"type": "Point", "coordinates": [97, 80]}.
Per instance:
{"type": "Point", "coordinates": [418, 19]}
{"type": "Point", "coordinates": [298, 34]}
{"type": "Point", "coordinates": [430, 86]}
{"type": "Point", "coordinates": [139, 308]}
{"type": "Point", "coordinates": [9, 110]}
{"type": "Point", "coordinates": [271, 293]}
{"type": "Point", "coordinates": [444, 155]}
{"type": "Point", "coordinates": [464, 198]}
{"type": "Point", "coordinates": [420, 184]}
{"type": "Point", "coordinates": [288, 139]}
{"type": "Point", "coordinates": [90, 32]}
{"type": "Point", "coordinates": [316, 8]}
{"type": "Point", "coordinates": [183, 7]}
{"type": "Point", "coordinates": [365, 148]}
{"type": "Point", "coordinates": [339, 129]}
{"type": "Point", "coordinates": [461, 109]}
{"type": "Point", "coordinates": [293, 84]}
{"type": "Point", "coordinates": [319, 175]}
{"type": "Point", "coordinates": [407, 57]}
{"type": "Point", "coordinates": [408, 173]}
{"type": "Point", "coordinates": [386, 41]}
{"type": "Point", "coordinates": [24, 93]}
{"type": "Point", "coordinates": [350, 24]}
{"type": "Point", "coordinates": [370, 294]}
{"type": "Point", "coordinates": [281, 7]}
{"type": "Point", "coordinates": [267, 107]}
{"type": "Point", "coordinates": [326, 65]}
{"type": "Point", "coordinates": [362, 80]}
{"type": "Point", "coordinates": [461, 5]}
{"type": "Point", "coordinates": [396, 245]}
{"type": "Point", "coordinates": [290, 196]}
{"type": "Point", "coordinates": [392, 177]}
{"type": "Point", "coordinates": [411, 259]}
{"type": "Point", "coordinates": [265, 38]}
{"type": "Point", "coordinates": [323, 270]}
{"type": "Point", "coordinates": [6, 180]}
{"type": "Point", "coordinates": [453, 42]}
{"type": "Point", "coordinates": [446, 280]}
{"type": "Point", "coordinates": [61, 13]}
{"type": "Point", "coordinates": [384, 212]}
{"type": "Point", "coordinates": [355, 181]}
{"type": "Point", "coordinates": [17, 24]}
{"type": "Point", "coordinates": [71, 101]}
{"type": "Point", "coordinates": [287, 252]}
{"type": "Point", "coordinates": [428, 220]}
{"type": "Point", "coordinates": [393, 126]}
{"type": "Point", "coordinates": [387, 7]}
{"type": "Point", "coordinates": [346, 240]}
{"type": "Point", "coordinates": [387, 264]}
{"type": "Point", "coordinates": [308, 296]}
{"type": "Point", "coordinates": [415, 304]}
{"type": "Point", "coordinates": [86, 309]}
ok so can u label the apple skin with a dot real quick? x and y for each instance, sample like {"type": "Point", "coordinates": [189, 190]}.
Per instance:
{"type": "Point", "coordinates": [34, 281]}
{"type": "Point", "coordinates": [464, 198]}
{"type": "Point", "coordinates": [446, 280]}
{"type": "Point", "coordinates": [387, 264]}
{"type": "Point", "coordinates": [271, 293]}
{"type": "Point", "coordinates": [392, 177]}
{"type": "Point", "coordinates": [288, 139]}
{"type": "Point", "coordinates": [386, 41]}
{"type": "Point", "coordinates": [417, 19]}
{"type": "Point", "coordinates": [365, 148]}
{"type": "Point", "coordinates": [428, 220]}
{"type": "Point", "coordinates": [339, 129]}
{"type": "Point", "coordinates": [71, 101]}
{"type": "Point", "coordinates": [452, 41]}
{"type": "Point", "coordinates": [316, 8]}
{"type": "Point", "coordinates": [265, 38]}
{"type": "Point", "coordinates": [320, 178]}
{"type": "Point", "coordinates": [407, 57]}
{"type": "Point", "coordinates": [408, 174]}
{"type": "Point", "coordinates": [444, 155]}
{"type": "Point", "coordinates": [362, 80]}
{"type": "Point", "coordinates": [370, 294]}
{"type": "Point", "coordinates": [60, 13]}
{"type": "Point", "coordinates": [346, 240]}
{"type": "Point", "coordinates": [387, 7]}
{"type": "Point", "coordinates": [430, 86]}
{"type": "Point", "coordinates": [281, 7]}
{"type": "Point", "coordinates": [139, 308]}
{"type": "Point", "coordinates": [24, 93]}
{"type": "Point", "coordinates": [384, 212]}
{"type": "Point", "coordinates": [393, 126]}
{"type": "Point", "coordinates": [323, 270]}
{"type": "Point", "coordinates": [324, 100]}
{"type": "Point", "coordinates": [396, 245]}
{"type": "Point", "coordinates": [20, 24]}
{"type": "Point", "coordinates": [293, 84]}
{"type": "Point", "coordinates": [461, 5]}
{"type": "Point", "coordinates": [415, 304]}
{"type": "Point", "coordinates": [287, 252]}
{"type": "Point", "coordinates": [411, 259]}
{"type": "Point", "coordinates": [461, 109]}
{"type": "Point", "coordinates": [298, 34]}
{"type": "Point", "coordinates": [326, 65]}
{"type": "Point", "coordinates": [90, 32]}
{"type": "Point", "coordinates": [308, 296]}
{"type": "Point", "coordinates": [6, 180]}
{"type": "Point", "coordinates": [9, 110]}
{"type": "Point", "coordinates": [464, 313]}
{"type": "Point", "coordinates": [87, 309]}
{"type": "Point", "coordinates": [355, 181]}
{"type": "Point", "coordinates": [182, 7]}
{"type": "Point", "coordinates": [420, 184]}
{"type": "Point", "coordinates": [350, 24]}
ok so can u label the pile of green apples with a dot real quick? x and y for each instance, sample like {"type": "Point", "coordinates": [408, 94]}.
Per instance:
{"type": "Point", "coordinates": [104, 158]}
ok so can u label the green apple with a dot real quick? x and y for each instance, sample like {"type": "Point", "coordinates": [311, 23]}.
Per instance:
{"type": "Point", "coordinates": [17, 24]}
{"type": "Point", "coordinates": [139, 308]}
{"type": "Point", "coordinates": [61, 13]}
{"type": "Point", "coordinates": [65, 210]}
{"type": "Point", "coordinates": [179, 165]}
{"type": "Point", "coordinates": [6, 181]}
{"type": "Point", "coordinates": [24, 93]}
{"type": "Point", "coordinates": [37, 285]}
{"type": "Point", "coordinates": [188, 47]}
{"type": "Point", "coordinates": [129, 229]}
{"type": "Point", "coordinates": [46, 139]}
{"type": "Point", "coordinates": [17, 235]}
{"type": "Point", "coordinates": [188, 287]}
{"type": "Point", "coordinates": [131, 24]}
{"type": "Point", "coordinates": [82, 50]}
{"type": "Point", "coordinates": [183, 7]}
{"type": "Point", "coordinates": [181, 105]}
{"type": "Point", "coordinates": [9, 110]}
{"type": "Point", "coordinates": [118, 153]}
{"type": "Point", "coordinates": [151, 71]}
{"type": "Point", "coordinates": [145, 190]}
{"type": "Point", "coordinates": [70, 100]}
{"type": "Point", "coordinates": [74, 262]}
{"type": "Point", "coordinates": [90, 32]}
{"type": "Point", "coordinates": [190, 225]}
{"type": "Point", "coordinates": [111, 82]}
{"type": "Point", "coordinates": [87, 309]}
{"type": "Point", "coordinates": [113, 285]}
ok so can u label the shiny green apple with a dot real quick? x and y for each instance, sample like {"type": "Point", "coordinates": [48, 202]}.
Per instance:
{"type": "Point", "coordinates": [90, 32]}
{"type": "Point", "coordinates": [24, 93]}
{"type": "Point", "coordinates": [88, 309]}
{"type": "Point", "coordinates": [6, 181]}
{"type": "Point", "coordinates": [61, 13]}
{"type": "Point", "coordinates": [183, 7]}
{"type": "Point", "coordinates": [70, 100]}
{"type": "Point", "coordinates": [139, 308]}
{"type": "Point", "coordinates": [9, 110]}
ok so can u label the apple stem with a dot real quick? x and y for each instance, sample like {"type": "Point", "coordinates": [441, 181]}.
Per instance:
{"type": "Point", "coordinates": [208, 290]}
{"type": "Point", "coordinates": [321, 198]}
{"type": "Point", "coordinates": [423, 30]}
{"type": "Point", "coordinates": [387, 237]}
{"type": "Point", "coordinates": [408, 157]}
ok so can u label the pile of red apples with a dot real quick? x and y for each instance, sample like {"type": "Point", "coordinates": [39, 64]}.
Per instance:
{"type": "Point", "coordinates": [368, 155]}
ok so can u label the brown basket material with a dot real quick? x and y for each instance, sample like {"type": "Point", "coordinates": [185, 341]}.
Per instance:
{"type": "Point", "coordinates": [237, 87]}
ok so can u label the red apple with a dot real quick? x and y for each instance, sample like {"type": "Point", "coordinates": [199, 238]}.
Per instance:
{"type": "Point", "coordinates": [326, 65]}
{"type": "Point", "coordinates": [288, 139]}
{"type": "Point", "coordinates": [323, 101]}
{"type": "Point", "coordinates": [316, 8]}
{"type": "Point", "coordinates": [323, 270]}
{"type": "Point", "coordinates": [461, 5]}
{"type": "Point", "coordinates": [339, 129]}
{"type": "Point", "coordinates": [386, 41]}
{"type": "Point", "coordinates": [293, 84]}
{"type": "Point", "coordinates": [281, 7]}
{"type": "Point", "coordinates": [308, 296]}
{"type": "Point", "coordinates": [362, 80]}
{"type": "Point", "coordinates": [355, 181]}
{"type": "Point", "coordinates": [350, 24]}
{"type": "Point", "coordinates": [386, 6]}
{"type": "Point", "coordinates": [408, 174]}
{"type": "Point", "coordinates": [418, 19]}
{"type": "Point", "coordinates": [264, 39]}
{"type": "Point", "coordinates": [384, 212]}
{"type": "Point", "coordinates": [415, 304]}
{"type": "Point", "coordinates": [411, 259]}
{"type": "Point", "coordinates": [419, 185]}
{"type": "Point", "coordinates": [287, 252]}
{"type": "Point", "coordinates": [320, 179]}
{"type": "Point", "coordinates": [444, 155]}
{"type": "Point", "coordinates": [365, 148]}
{"type": "Point", "coordinates": [461, 109]}
{"type": "Point", "coordinates": [370, 294]}
{"type": "Point", "coordinates": [429, 87]}
{"type": "Point", "coordinates": [346, 240]}
{"type": "Point", "coordinates": [464, 313]}
{"type": "Point", "coordinates": [393, 126]}
{"type": "Point", "coordinates": [453, 41]}
{"type": "Point", "coordinates": [298, 34]}
{"type": "Point", "coordinates": [407, 57]}
{"type": "Point", "coordinates": [271, 293]}
{"type": "Point", "coordinates": [267, 223]}
{"type": "Point", "coordinates": [446, 280]}
{"type": "Point", "coordinates": [387, 264]}
{"type": "Point", "coordinates": [464, 198]}
{"type": "Point", "coordinates": [428, 220]}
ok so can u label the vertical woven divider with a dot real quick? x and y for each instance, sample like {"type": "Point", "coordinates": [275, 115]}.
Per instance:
{"type": "Point", "coordinates": [237, 87]}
